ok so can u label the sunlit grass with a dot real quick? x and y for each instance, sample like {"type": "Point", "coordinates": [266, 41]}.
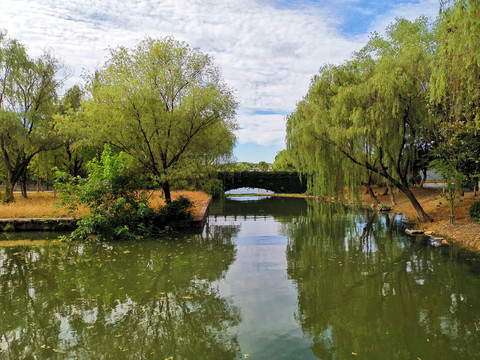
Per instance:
{"type": "Point", "coordinates": [43, 204]}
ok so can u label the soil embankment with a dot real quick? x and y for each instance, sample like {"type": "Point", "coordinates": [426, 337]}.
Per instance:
{"type": "Point", "coordinates": [465, 231]}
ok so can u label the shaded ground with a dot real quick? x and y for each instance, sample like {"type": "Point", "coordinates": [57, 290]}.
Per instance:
{"type": "Point", "coordinates": [465, 231]}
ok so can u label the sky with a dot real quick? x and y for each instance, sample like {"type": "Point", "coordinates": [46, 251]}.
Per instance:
{"type": "Point", "coordinates": [267, 50]}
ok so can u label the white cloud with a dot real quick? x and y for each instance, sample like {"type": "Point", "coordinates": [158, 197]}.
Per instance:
{"type": "Point", "coordinates": [409, 11]}
{"type": "Point", "coordinates": [267, 55]}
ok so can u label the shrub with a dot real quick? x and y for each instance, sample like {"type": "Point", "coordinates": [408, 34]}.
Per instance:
{"type": "Point", "coordinates": [118, 208]}
{"type": "Point", "coordinates": [474, 210]}
{"type": "Point", "coordinates": [179, 209]}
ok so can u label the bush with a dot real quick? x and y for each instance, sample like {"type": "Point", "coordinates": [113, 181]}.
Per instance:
{"type": "Point", "coordinates": [119, 209]}
{"type": "Point", "coordinates": [474, 211]}
{"type": "Point", "coordinates": [179, 209]}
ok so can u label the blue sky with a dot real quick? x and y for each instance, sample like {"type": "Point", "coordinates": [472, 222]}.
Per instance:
{"type": "Point", "coordinates": [268, 50]}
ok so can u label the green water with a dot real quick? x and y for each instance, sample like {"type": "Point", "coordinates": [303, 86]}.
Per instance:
{"type": "Point", "coordinates": [269, 278]}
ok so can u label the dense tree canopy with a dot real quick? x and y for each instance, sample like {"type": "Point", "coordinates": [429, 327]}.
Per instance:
{"type": "Point", "coordinates": [366, 116]}
{"type": "Point", "coordinates": [28, 90]}
{"type": "Point", "coordinates": [455, 90]}
{"type": "Point", "coordinates": [166, 105]}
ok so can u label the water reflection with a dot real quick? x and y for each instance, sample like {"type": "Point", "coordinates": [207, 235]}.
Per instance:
{"type": "Point", "coordinates": [366, 290]}
{"type": "Point", "coordinates": [276, 279]}
{"type": "Point", "coordinates": [142, 300]}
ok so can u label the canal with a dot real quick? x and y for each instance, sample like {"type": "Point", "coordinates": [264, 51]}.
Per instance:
{"type": "Point", "coordinates": [269, 278]}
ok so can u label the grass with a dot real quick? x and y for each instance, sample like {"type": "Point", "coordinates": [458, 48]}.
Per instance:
{"type": "Point", "coordinates": [43, 204]}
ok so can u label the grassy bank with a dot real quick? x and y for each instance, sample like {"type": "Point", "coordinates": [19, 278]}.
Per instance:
{"type": "Point", "coordinates": [465, 231]}
{"type": "Point", "coordinates": [44, 205]}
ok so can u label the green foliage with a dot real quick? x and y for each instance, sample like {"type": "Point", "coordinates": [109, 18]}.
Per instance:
{"type": "Point", "coordinates": [454, 90]}
{"type": "Point", "coordinates": [213, 187]}
{"type": "Point", "coordinates": [366, 116]}
{"type": "Point", "coordinates": [453, 181]}
{"type": "Point", "coordinates": [474, 210]}
{"type": "Point", "coordinates": [118, 209]}
{"type": "Point", "coordinates": [28, 91]}
{"type": "Point", "coordinates": [169, 106]}
{"type": "Point", "coordinates": [283, 162]}
{"type": "Point", "coordinates": [179, 209]}
{"type": "Point", "coordinates": [263, 166]}
{"type": "Point", "coordinates": [456, 75]}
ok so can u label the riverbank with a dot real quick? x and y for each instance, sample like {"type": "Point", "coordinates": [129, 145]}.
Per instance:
{"type": "Point", "coordinates": [41, 211]}
{"type": "Point", "coordinates": [465, 231]}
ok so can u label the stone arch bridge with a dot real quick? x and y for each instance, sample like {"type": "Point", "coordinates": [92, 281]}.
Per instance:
{"type": "Point", "coordinates": [278, 182]}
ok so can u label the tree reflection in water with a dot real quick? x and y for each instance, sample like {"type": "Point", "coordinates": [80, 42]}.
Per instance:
{"type": "Point", "coordinates": [364, 289]}
{"type": "Point", "coordinates": [144, 300]}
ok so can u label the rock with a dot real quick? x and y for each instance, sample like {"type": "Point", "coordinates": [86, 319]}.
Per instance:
{"type": "Point", "coordinates": [429, 233]}
{"type": "Point", "coordinates": [445, 242]}
{"type": "Point", "coordinates": [383, 208]}
{"type": "Point", "coordinates": [413, 232]}
{"type": "Point", "coordinates": [436, 243]}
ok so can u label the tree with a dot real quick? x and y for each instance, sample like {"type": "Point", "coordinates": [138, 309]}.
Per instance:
{"type": "Point", "coordinates": [166, 105]}
{"type": "Point", "coordinates": [263, 166]}
{"type": "Point", "coordinates": [366, 116]}
{"type": "Point", "coordinates": [456, 74]}
{"type": "Point", "coordinates": [455, 94]}
{"type": "Point", "coordinates": [76, 151]}
{"type": "Point", "coordinates": [27, 94]}
{"type": "Point", "coordinates": [283, 162]}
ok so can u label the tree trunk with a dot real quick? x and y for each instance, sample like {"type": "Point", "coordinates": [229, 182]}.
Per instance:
{"type": "Point", "coordinates": [8, 194]}
{"type": "Point", "coordinates": [391, 222]}
{"type": "Point", "coordinates": [392, 195]}
{"type": "Point", "coordinates": [166, 192]}
{"type": "Point", "coordinates": [422, 215]}
{"type": "Point", "coordinates": [23, 185]}
{"type": "Point", "coordinates": [424, 177]}
{"type": "Point", "coordinates": [372, 194]}
{"type": "Point", "coordinates": [385, 192]}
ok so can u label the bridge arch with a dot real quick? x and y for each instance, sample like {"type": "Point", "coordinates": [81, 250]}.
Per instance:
{"type": "Point", "coordinates": [278, 182]}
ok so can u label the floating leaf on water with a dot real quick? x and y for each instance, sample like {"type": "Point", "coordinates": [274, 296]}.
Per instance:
{"type": "Point", "coordinates": [354, 354]}
{"type": "Point", "coordinates": [118, 335]}
{"type": "Point", "coordinates": [90, 327]}
{"type": "Point", "coordinates": [188, 297]}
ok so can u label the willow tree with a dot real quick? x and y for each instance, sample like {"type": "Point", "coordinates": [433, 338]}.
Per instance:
{"type": "Point", "coordinates": [455, 90]}
{"type": "Point", "coordinates": [367, 116]}
{"type": "Point", "coordinates": [28, 90]}
{"type": "Point", "coordinates": [165, 104]}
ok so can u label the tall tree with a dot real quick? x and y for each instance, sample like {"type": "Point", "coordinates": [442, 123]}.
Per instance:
{"type": "Point", "coordinates": [27, 94]}
{"type": "Point", "coordinates": [455, 91]}
{"type": "Point", "coordinates": [367, 115]}
{"type": "Point", "coordinates": [166, 105]}
{"type": "Point", "coordinates": [76, 151]}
